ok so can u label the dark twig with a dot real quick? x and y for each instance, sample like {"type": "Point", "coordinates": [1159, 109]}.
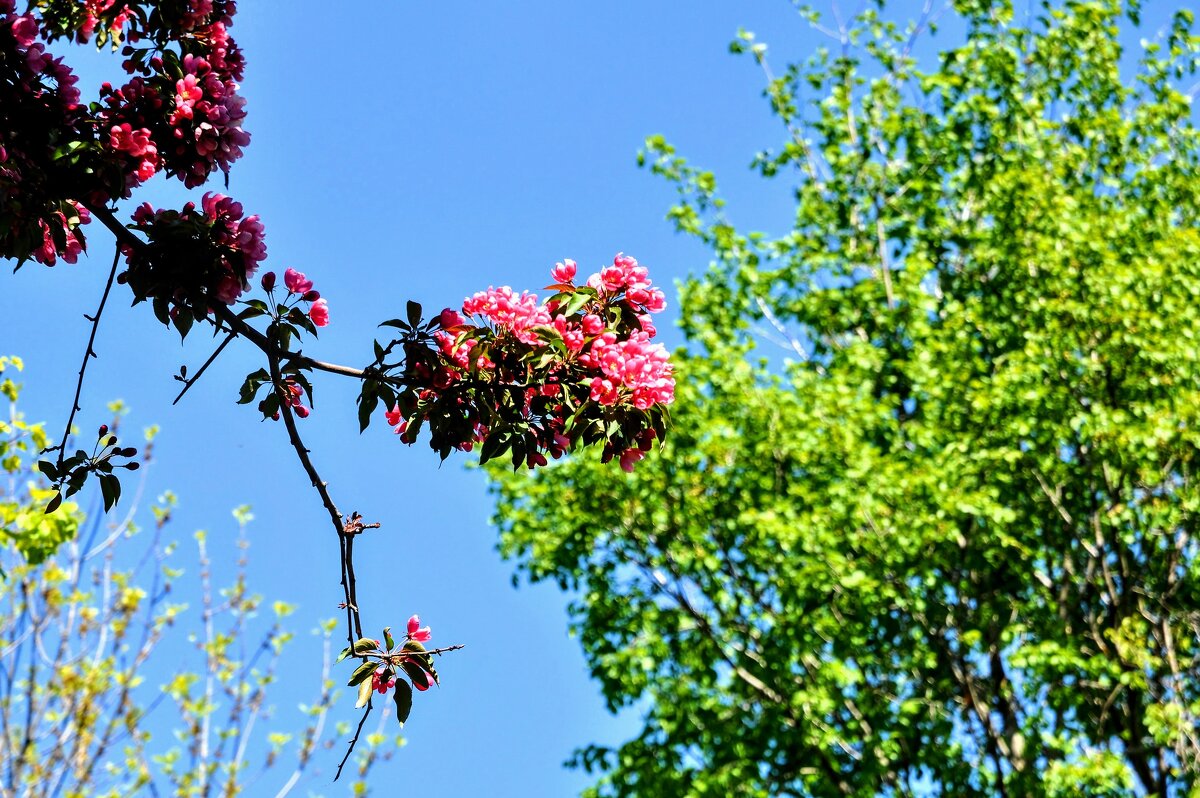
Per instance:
{"type": "Point", "coordinates": [354, 741]}
{"type": "Point", "coordinates": [187, 385]}
{"type": "Point", "coordinates": [354, 625]}
{"type": "Point", "coordinates": [88, 354]}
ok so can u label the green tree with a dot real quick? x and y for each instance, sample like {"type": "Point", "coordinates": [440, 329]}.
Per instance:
{"type": "Point", "coordinates": [110, 685]}
{"type": "Point", "coordinates": [946, 542]}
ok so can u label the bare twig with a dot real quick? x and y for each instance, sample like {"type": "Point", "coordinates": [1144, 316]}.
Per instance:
{"type": "Point", "coordinates": [200, 372]}
{"type": "Point", "coordinates": [354, 741]}
{"type": "Point", "coordinates": [88, 354]}
{"type": "Point", "coordinates": [354, 624]}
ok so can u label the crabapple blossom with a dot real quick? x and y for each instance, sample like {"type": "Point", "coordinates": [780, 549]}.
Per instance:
{"type": "Point", "coordinates": [378, 684]}
{"type": "Point", "coordinates": [421, 635]}
{"type": "Point", "coordinates": [512, 372]}
{"type": "Point", "coordinates": [319, 313]}
{"type": "Point", "coordinates": [563, 272]}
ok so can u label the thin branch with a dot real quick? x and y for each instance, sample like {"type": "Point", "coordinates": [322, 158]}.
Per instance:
{"type": "Point", "coordinates": [354, 742]}
{"type": "Point", "coordinates": [187, 385]}
{"type": "Point", "coordinates": [88, 354]}
{"type": "Point", "coordinates": [354, 630]}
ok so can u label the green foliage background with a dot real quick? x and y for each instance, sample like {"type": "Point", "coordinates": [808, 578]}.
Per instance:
{"type": "Point", "coordinates": [948, 546]}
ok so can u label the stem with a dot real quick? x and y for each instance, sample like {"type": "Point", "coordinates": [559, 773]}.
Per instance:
{"type": "Point", "coordinates": [88, 354]}
{"type": "Point", "coordinates": [187, 385]}
{"type": "Point", "coordinates": [354, 625]}
{"type": "Point", "coordinates": [354, 741]}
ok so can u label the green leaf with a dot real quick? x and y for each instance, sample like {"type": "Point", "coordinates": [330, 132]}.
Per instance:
{"type": "Point", "coordinates": [417, 674]}
{"type": "Point", "coordinates": [494, 445]}
{"type": "Point", "coordinates": [404, 699]}
{"type": "Point", "coordinates": [363, 671]}
{"type": "Point", "coordinates": [414, 313]}
{"type": "Point", "coordinates": [364, 694]}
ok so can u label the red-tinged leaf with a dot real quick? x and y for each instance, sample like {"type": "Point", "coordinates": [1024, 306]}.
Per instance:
{"type": "Point", "coordinates": [420, 678]}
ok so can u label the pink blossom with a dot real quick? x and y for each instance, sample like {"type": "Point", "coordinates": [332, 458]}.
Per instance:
{"type": "Point", "coordinates": [629, 457]}
{"type": "Point", "coordinates": [377, 682]}
{"type": "Point", "coordinates": [612, 278]}
{"type": "Point", "coordinates": [563, 272]}
{"type": "Point", "coordinates": [517, 314]}
{"type": "Point", "coordinates": [592, 324]}
{"type": "Point", "coordinates": [229, 289]}
{"type": "Point", "coordinates": [296, 282]}
{"type": "Point", "coordinates": [418, 634]}
{"type": "Point", "coordinates": [656, 302]}
{"type": "Point", "coordinates": [450, 318]}
{"type": "Point", "coordinates": [25, 29]}
{"type": "Point", "coordinates": [319, 313]}
{"type": "Point", "coordinates": [47, 253]}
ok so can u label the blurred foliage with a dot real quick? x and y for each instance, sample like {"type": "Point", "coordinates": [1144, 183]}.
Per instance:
{"type": "Point", "coordinates": [943, 541]}
{"type": "Point", "coordinates": [110, 685]}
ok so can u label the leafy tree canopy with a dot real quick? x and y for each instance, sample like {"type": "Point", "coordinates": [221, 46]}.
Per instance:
{"type": "Point", "coordinates": [949, 545]}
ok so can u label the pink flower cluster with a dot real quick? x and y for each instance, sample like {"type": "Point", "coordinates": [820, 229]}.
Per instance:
{"type": "Point", "coordinates": [293, 396]}
{"type": "Point", "coordinates": [24, 30]}
{"type": "Point", "coordinates": [242, 240]}
{"type": "Point", "coordinates": [541, 376]}
{"type": "Point", "coordinates": [626, 275]}
{"type": "Point", "coordinates": [48, 253]}
{"type": "Point", "coordinates": [138, 145]}
{"type": "Point", "coordinates": [180, 112]}
{"type": "Point", "coordinates": [502, 307]}
{"type": "Point", "coordinates": [195, 120]}
{"type": "Point", "coordinates": [412, 660]}
{"type": "Point", "coordinates": [383, 680]}
{"type": "Point", "coordinates": [634, 370]}
{"type": "Point", "coordinates": [223, 246]}
{"type": "Point", "coordinates": [39, 106]}
{"type": "Point", "coordinates": [95, 11]}
{"type": "Point", "coordinates": [301, 287]}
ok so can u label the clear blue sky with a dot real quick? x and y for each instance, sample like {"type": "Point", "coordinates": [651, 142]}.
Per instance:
{"type": "Point", "coordinates": [422, 151]}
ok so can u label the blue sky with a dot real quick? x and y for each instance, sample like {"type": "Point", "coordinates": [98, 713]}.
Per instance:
{"type": "Point", "coordinates": [453, 146]}
{"type": "Point", "coordinates": [421, 151]}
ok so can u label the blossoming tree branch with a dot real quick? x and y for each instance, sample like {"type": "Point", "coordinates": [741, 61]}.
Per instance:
{"type": "Point", "coordinates": [514, 375]}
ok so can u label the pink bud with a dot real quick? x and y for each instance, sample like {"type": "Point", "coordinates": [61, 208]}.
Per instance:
{"type": "Point", "coordinates": [268, 281]}
{"type": "Point", "coordinates": [450, 318]}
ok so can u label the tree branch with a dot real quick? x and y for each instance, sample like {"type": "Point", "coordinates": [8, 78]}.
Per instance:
{"type": "Point", "coordinates": [87, 355]}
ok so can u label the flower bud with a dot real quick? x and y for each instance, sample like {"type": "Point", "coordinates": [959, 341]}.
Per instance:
{"type": "Point", "coordinates": [268, 281]}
